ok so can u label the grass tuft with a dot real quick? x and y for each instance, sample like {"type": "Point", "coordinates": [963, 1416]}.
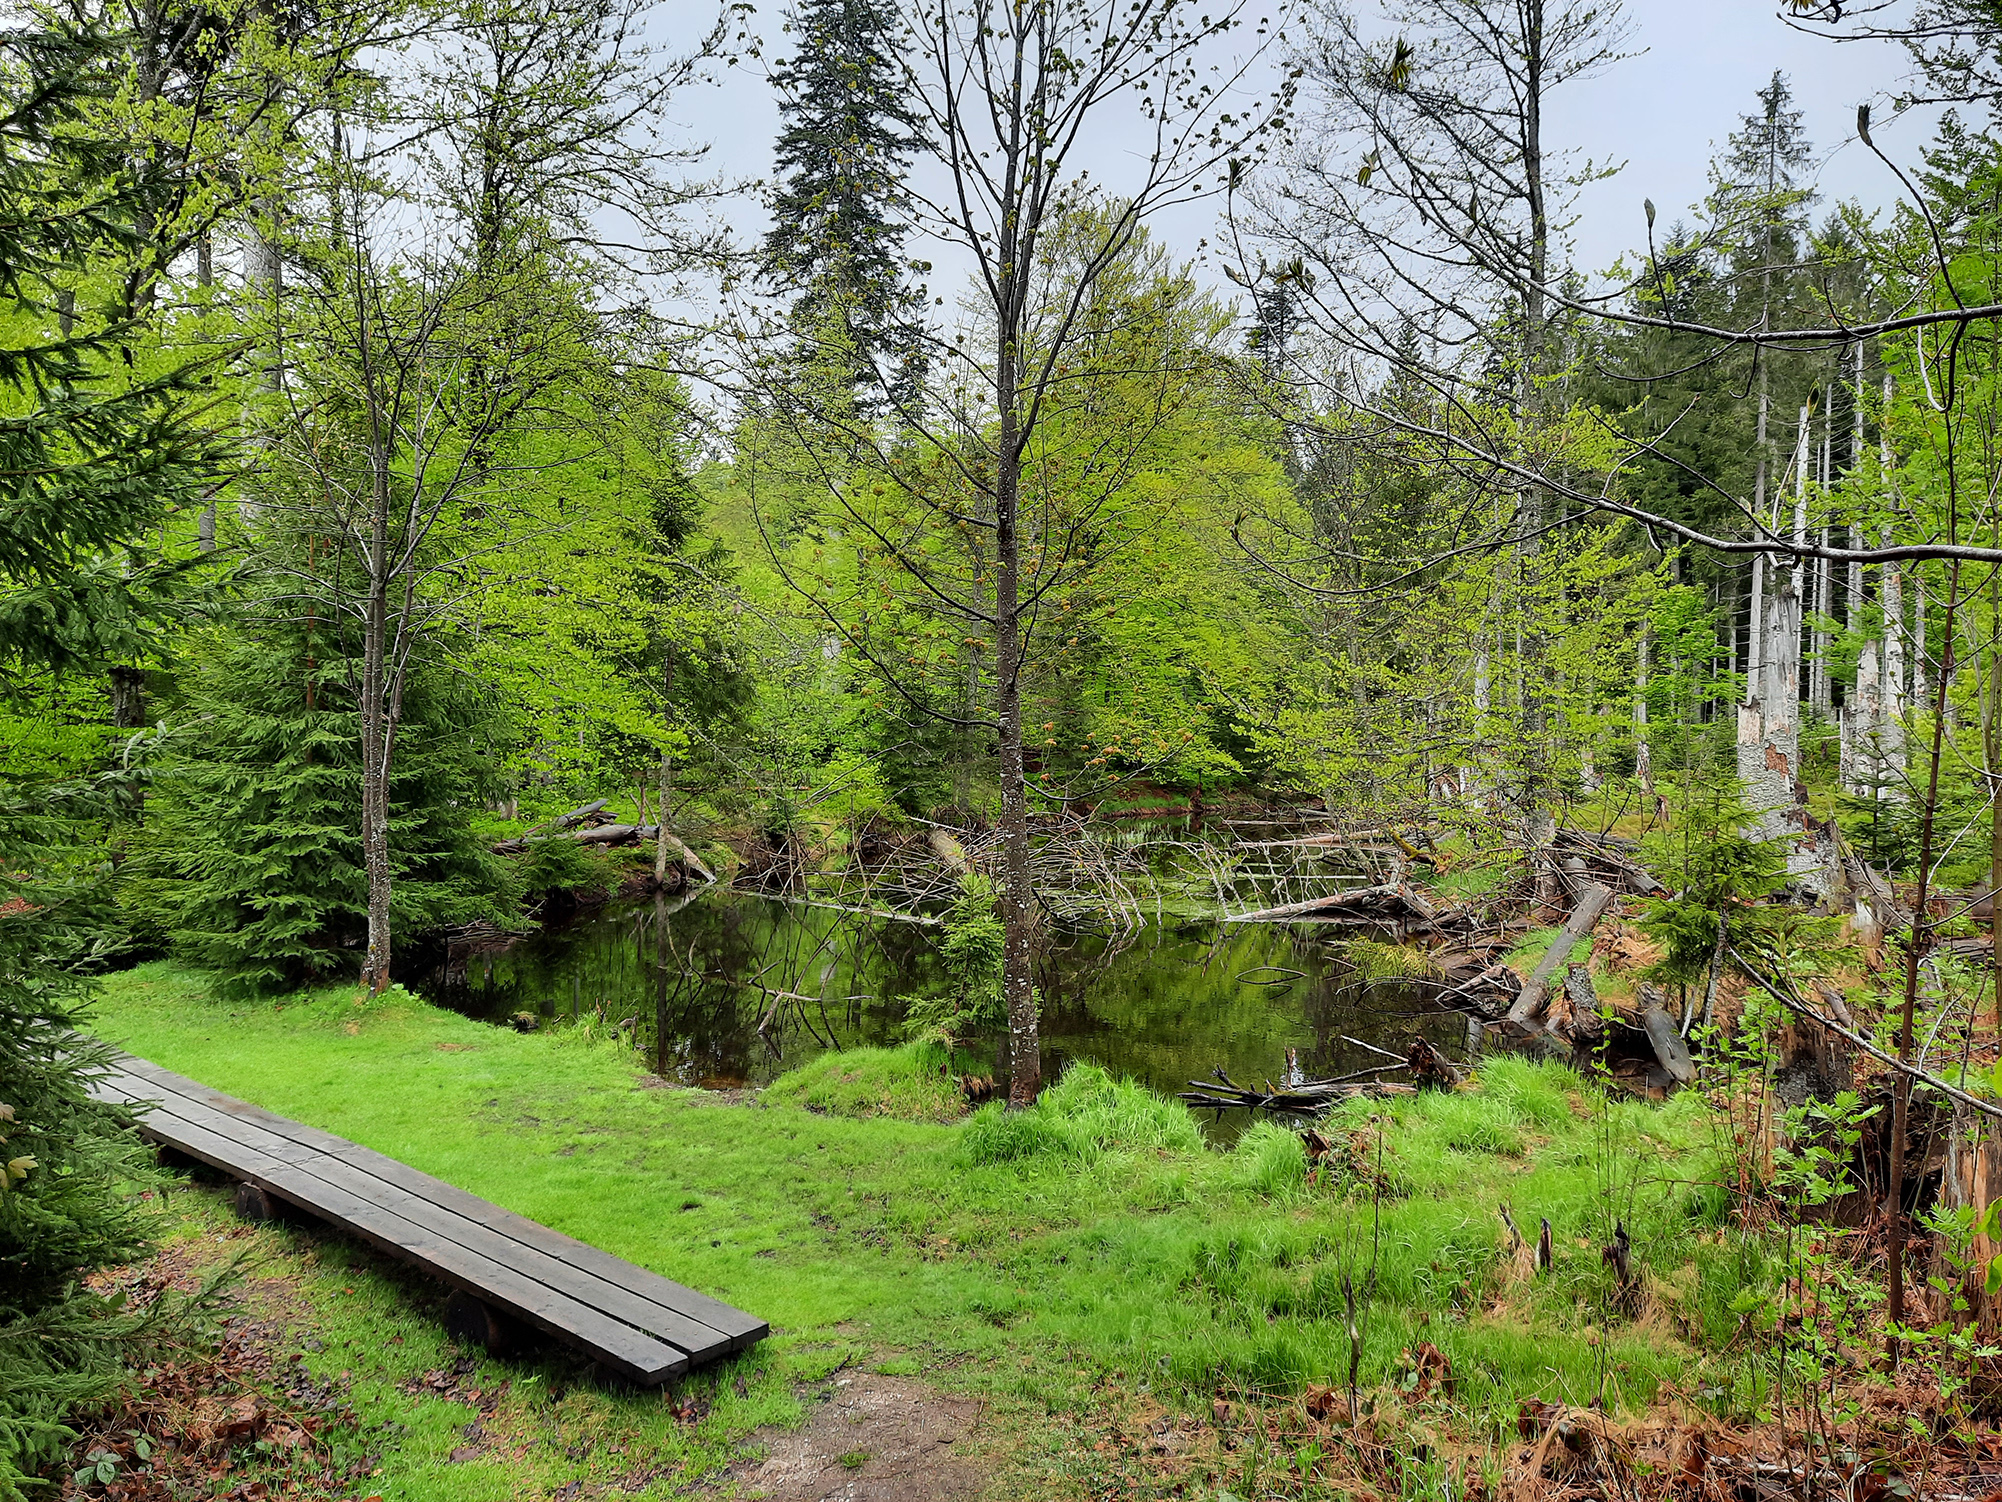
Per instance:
{"type": "Point", "coordinates": [1082, 1117]}
{"type": "Point", "coordinates": [914, 1082]}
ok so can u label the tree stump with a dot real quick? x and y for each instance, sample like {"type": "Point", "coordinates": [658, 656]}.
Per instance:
{"type": "Point", "coordinates": [252, 1203]}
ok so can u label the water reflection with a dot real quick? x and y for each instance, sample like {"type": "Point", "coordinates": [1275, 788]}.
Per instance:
{"type": "Point", "coordinates": [729, 989]}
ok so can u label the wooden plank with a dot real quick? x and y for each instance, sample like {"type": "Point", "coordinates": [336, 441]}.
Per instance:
{"type": "Point", "coordinates": [271, 1121]}
{"type": "Point", "coordinates": [737, 1329]}
{"type": "Point", "coordinates": [696, 1340]}
{"type": "Point", "coordinates": [632, 1351]}
{"type": "Point", "coordinates": [699, 1341]}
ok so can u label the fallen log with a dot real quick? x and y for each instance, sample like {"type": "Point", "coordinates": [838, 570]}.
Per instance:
{"type": "Point", "coordinates": [1592, 904]}
{"type": "Point", "coordinates": [944, 844]}
{"type": "Point", "coordinates": [599, 834]}
{"type": "Point", "coordinates": [565, 821]}
{"type": "Point", "coordinates": [1666, 1037]}
{"type": "Point", "coordinates": [1391, 903]}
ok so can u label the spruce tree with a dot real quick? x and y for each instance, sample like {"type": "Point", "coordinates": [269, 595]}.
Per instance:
{"type": "Point", "coordinates": [836, 241]}
{"type": "Point", "coordinates": [252, 864]}
{"type": "Point", "coordinates": [91, 458]}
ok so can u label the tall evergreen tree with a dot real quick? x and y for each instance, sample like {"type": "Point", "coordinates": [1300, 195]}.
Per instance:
{"type": "Point", "coordinates": [837, 235]}
{"type": "Point", "coordinates": [91, 458]}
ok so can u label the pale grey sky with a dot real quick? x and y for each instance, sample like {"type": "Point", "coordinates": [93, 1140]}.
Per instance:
{"type": "Point", "coordinates": [1664, 112]}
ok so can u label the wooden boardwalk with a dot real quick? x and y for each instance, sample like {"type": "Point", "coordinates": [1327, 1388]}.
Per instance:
{"type": "Point", "coordinates": [635, 1323]}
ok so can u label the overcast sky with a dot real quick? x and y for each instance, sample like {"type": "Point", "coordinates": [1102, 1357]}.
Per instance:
{"type": "Point", "coordinates": [1664, 112]}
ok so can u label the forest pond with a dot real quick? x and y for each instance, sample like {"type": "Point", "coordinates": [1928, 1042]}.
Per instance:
{"type": "Point", "coordinates": [730, 989]}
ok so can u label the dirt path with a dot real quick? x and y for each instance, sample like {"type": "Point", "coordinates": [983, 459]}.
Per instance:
{"type": "Point", "coordinates": [877, 1439]}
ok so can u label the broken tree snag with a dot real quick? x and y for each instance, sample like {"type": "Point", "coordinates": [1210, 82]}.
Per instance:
{"type": "Point", "coordinates": [690, 862]}
{"type": "Point", "coordinates": [1592, 904]}
{"type": "Point", "coordinates": [1431, 1069]}
{"type": "Point", "coordinates": [1580, 1023]}
{"type": "Point", "coordinates": [1666, 1037]}
{"type": "Point", "coordinates": [1618, 1255]}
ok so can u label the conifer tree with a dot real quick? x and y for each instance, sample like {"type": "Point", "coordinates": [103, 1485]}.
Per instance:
{"type": "Point", "coordinates": [91, 457]}
{"type": "Point", "coordinates": [836, 240]}
{"type": "Point", "coordinates": [253, 861]}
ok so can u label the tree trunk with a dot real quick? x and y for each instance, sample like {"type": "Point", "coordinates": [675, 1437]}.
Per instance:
{"type": "Point", "coordinates": [375, 715]}
{"type": "Point", "coordinates": [128, 697]}
{"type": "Point", "coordinates": [1025, 1050]}
{"type": "Point", "coordinates": [661, 845]}
{"type": "Point", "coordinates": [1915, 953]}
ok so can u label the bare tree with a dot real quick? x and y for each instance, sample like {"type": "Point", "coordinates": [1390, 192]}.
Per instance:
{"type": "Point", "coordinates": [984, 518]}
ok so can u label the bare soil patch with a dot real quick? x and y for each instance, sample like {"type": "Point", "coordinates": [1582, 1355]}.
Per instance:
{"type": "Point", "coordinates": [874, 1439]}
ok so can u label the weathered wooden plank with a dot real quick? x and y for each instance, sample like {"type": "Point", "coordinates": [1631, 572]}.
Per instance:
{"type": "Point", "coordinates": [698, 1341]}
{"type": "Point", "coordinates": [416, 1200]}
{"type": "Point", "coordinates": [271, 1121]}
{"type": "Point", "coordinates": [737, 1328]}
{"type": "Point", "coordinates": [631, 1351]}
{"type": "Point", "coordinates": [642, 1324]}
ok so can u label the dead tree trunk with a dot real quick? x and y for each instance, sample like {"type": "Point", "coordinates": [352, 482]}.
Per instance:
{"type": "Point", "coordinates": [1592, 904]}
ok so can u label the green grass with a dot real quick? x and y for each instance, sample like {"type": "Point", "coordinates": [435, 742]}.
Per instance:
{"type": "Point", "coordinates": [916, 1082]}
{"type": "Point", "coordinates": [1031, 1255]}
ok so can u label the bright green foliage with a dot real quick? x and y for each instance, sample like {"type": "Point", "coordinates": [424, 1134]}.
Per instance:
{"type": "Point", "coordinates": [64, 1163]}
{"type": "Point", "coordinates": [1717, 871]}
{"type": "Point", "coordinates": [971, 956]}
{"type": "Point", "coordinates": [93, 455]}
{"type": "Point", "coordinates": [253, 851]}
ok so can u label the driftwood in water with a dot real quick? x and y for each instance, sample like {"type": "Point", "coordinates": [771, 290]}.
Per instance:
{"type": "Point", "coordinates": [1592, 904]}
{"type": "Point", "coordinates": [1309, 1098]}
{"type": "Point", "coordinates": [1393, 903]}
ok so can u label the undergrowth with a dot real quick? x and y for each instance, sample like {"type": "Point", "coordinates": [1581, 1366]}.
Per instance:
{"type": "Point", "coordinates": [1039, 1254]}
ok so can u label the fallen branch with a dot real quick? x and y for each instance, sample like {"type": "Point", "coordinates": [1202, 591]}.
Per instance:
{"type": "Point", "coordinates": [1592, 904]}
{"type": "Point", "coordinates": [1393, 902]}
{"type": "Point", "coordinates": [1793, 1003]}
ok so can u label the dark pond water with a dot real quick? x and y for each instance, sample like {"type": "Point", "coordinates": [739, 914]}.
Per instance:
{"type": "Point", "coordinates": [730, 989]}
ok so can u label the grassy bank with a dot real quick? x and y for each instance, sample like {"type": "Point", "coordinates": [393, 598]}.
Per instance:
{"type": "Point", "coordinates": [1062, 1262]}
